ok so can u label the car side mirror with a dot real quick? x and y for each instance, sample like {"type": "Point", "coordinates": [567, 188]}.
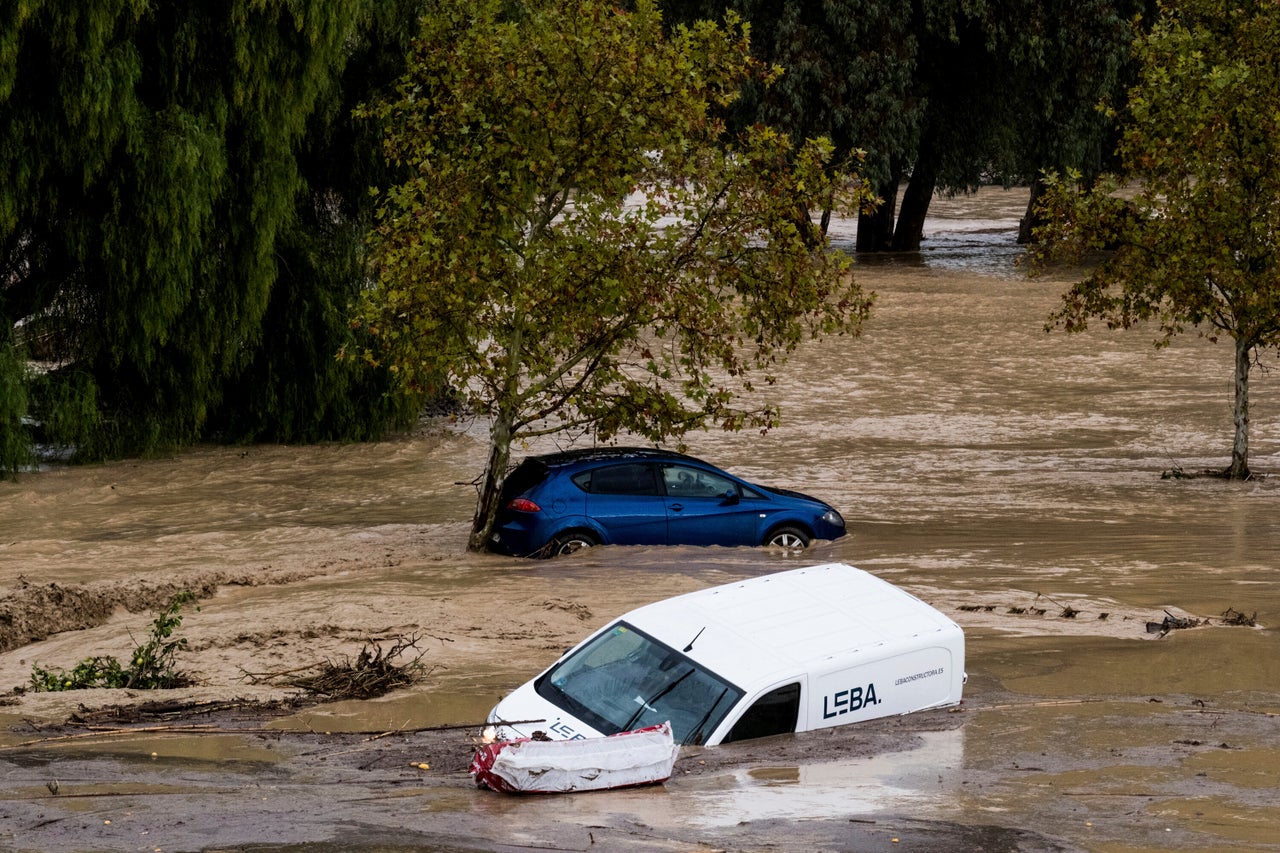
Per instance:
{"type": "Point", "coordinates": [731, 497]}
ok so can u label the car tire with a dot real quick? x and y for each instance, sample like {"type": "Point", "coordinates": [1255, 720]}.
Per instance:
{"type": "Point", "coordinates": [569, 542]}
{"type": "Point", "coordinates": [788, 539]}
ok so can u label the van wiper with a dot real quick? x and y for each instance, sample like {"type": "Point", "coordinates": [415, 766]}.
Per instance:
{"type": "Point", "coordinates": [695, 736]}
{"type": "Point", "coordinates": [689, 647]}
{"type": "Point", "coordinates": [649, 705]}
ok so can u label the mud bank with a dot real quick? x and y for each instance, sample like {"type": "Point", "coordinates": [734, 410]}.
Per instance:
{"type": "Point", "coordinates": [30, 612]}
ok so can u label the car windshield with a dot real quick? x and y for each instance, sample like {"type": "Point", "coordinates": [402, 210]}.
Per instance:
{"type": "Point", "coordinates": [624, 679]}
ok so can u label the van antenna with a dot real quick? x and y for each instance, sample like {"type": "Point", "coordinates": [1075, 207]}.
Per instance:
{"type": "Point", "coordinates": [689, 647]}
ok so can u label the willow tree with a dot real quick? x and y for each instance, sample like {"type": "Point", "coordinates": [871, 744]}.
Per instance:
{"type": "Point", "coordinates": [147, 171]}
{"type": "Point", "coordinates": [1195, 244]}
{"type": "Point", "coordinates": [290, 388]}
{"type": "Point", "coordinates": [578, 247]}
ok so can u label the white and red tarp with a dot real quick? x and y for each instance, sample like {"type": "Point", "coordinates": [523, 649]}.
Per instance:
{"type": "Point", "coordinates": [641, 757]}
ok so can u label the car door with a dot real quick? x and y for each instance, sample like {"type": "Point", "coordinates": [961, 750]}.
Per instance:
{"type": "Point", "coordinates": [706, 508]}
{"type": "Point", "coordinates": [624, 499]}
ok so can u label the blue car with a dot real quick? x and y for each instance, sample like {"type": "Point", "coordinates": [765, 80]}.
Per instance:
{"type": "Point", "coordinates": [558, 503]}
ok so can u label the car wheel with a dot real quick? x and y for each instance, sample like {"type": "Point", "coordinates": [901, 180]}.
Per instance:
{"type": "Point", "coordinates": [788, 539]}
{"type": "Point", "coordinates": [567, 543]}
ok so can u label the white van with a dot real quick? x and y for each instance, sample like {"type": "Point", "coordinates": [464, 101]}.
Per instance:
{"type": "Point", "coordinates": [788, 652]}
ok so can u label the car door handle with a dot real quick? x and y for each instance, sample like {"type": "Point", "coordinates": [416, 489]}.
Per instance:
{"type": "Point", "coordinates": [676, 507]}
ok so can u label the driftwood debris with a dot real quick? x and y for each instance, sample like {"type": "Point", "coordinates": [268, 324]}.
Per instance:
{"type": "Point", "coordinates": [1174, 623]}
{"type": "Point", "coordinates": [1235, 617]}
{"type": "Point", "coordinates": [374, 672]}
{"type": "Point", "coordinates": [1169, 623]}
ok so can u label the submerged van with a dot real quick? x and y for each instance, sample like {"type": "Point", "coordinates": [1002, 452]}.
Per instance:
{"type": "Point", "coordinates": [793, 651]}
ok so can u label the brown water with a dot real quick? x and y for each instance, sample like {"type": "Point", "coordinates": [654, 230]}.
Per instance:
{"type": "Point", "coordinates": [981, 463]}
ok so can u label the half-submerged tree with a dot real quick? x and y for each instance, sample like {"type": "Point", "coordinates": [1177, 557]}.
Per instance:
{"type": "Point", "coordinates": [944, 95]}
{"type": "Point", "coordinates": [578, 246]}
{"type": "Point", "coordinates": [849, 76]}
{"type": "Point", "coordinates": [1195, 242]}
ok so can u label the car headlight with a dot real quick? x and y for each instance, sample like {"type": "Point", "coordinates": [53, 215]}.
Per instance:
{"type": "Point", "coordinates": [833, 517]}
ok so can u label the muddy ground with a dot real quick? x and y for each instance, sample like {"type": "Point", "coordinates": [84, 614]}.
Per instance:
{"type": "Point", "coordinates": [233, 765]}
{"type": "Point", "coordinates": [91, 785]}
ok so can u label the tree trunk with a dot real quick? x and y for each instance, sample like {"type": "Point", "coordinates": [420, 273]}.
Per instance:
{"type": "Point", "coordinates": [875, 230]}
{"type": "Point", "coordinates": [915, 201]}
{"type": "Point", "coordinates": [1026, 225]}
{"type": "Point", "coordinates": [1239, 469]}
{"type": "Point", "coordinates": [495, 476]}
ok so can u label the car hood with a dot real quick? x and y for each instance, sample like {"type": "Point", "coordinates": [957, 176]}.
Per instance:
{"type": "Point", "coordinates": [788, 493]}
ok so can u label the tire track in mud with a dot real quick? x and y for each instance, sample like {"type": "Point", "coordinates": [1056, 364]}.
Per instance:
{"type": "Point", "coordinates": [30, 612]}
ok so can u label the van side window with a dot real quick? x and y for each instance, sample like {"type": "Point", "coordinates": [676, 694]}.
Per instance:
{"type": "Point", "coordinates": [774, 713]}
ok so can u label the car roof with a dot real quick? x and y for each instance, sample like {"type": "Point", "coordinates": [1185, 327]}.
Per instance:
{"type": "Point", "coordinates": [594, 454]}
{"type": "Point", "coordinates": [808, 620]}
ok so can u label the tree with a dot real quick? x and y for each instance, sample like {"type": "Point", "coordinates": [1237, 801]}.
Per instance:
{"type": "Point", "coordinates": [150, 189]}
{"type": "Point", "coordinates": [1193, 242]}
{"type": "Point", "coordinates": [944, 94]}
{"type": "Point", "coordinates": [577, 246]}
{"type": "Point", "coordinates": [847, 74]}
{"type": "Point", "coordinates": [292, 388]}
{"type": "Point", "coordinates": [1009, 89]}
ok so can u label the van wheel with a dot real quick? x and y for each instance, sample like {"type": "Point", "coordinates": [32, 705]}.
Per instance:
{"type": "Point", "coordinates": [788, 539]}
{"type": "Point", "coordinates": [568, 543]}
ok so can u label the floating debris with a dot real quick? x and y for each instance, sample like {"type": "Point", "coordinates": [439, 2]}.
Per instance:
{"type": "Point", "coordinates": [1173, 623]}
{"type": "Point", "coordinates": [1235, 617]}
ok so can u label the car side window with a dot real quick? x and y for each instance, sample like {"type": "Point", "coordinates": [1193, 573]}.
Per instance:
{"type": "Point", "coordinates": [774, 713]}
{"type": "Point", "coordinates": [682, 481]}
{"type": "Point", "coordinates": [632, 478]}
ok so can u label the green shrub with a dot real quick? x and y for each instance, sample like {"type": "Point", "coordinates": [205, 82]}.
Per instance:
{"type": "Point", "coordinates": [152, 664]}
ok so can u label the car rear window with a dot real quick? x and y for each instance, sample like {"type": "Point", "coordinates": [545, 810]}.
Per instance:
{"type": "Point", "coordinates": [527, 474]}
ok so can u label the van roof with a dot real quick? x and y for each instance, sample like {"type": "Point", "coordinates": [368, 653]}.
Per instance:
{"type": "Point", "coordinates": [812, 619]}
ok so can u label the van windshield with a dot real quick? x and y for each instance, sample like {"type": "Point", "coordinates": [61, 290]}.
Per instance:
{"type": "Point", "coordinates": [624, 679]}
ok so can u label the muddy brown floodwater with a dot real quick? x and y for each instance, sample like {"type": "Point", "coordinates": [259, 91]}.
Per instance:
{"type": "Point", "coordinates": [1005, 475]}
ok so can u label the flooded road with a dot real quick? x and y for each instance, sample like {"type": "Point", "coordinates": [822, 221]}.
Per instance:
{"type": "Point", "coordinates": [1005, 475]}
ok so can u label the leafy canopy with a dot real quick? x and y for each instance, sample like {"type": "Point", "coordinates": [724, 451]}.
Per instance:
{"type": "Point", "coordinates": [174, 246]}
{"type": "Point", "coordinates": [1196, 238]}
{"type": "Point", "coordinates": [577, 245]}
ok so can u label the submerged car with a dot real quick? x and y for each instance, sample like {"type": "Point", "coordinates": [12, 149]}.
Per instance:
{"type": "Point", "coordinates": [786, 652]}
{"type": "Point", "coordinates": [558, 503]}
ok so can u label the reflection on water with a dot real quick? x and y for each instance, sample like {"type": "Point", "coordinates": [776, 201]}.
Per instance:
{"type": "Point", "coordinates": [904, 781]}
{"type": "Point", "coordinates": [900, 782]}
{"type": "Point", "coordinates": [966, 234]}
